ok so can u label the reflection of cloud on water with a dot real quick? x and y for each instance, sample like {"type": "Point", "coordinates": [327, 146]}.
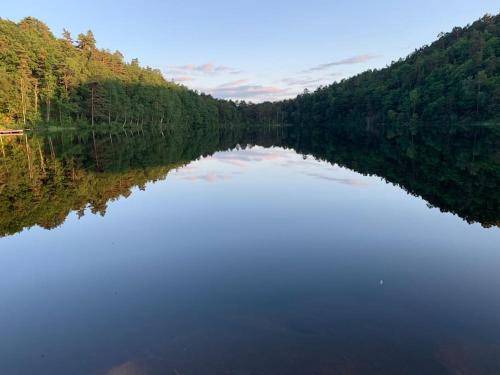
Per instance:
{"type": "Point", "coordinates": [208, 177]}
{"type": "Point", "coordinates": [241, 158]}
{"type": "Point", "coordinates": [306, 161]}
{"type": "Point", "coordinates": [244, 158]}
{"type": "Point", "coordinates": [345, 181]}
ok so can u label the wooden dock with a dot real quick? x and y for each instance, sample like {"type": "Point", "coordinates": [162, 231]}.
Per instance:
{"type": "Point", "coordinates": [6, 132]}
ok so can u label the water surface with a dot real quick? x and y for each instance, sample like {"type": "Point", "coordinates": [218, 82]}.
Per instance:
{"type": "Point", "coordinates": [245, 252]}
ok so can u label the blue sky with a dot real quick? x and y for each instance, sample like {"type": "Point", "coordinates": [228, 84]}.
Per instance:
{"type": "Point", "coordinates": [257, 50]}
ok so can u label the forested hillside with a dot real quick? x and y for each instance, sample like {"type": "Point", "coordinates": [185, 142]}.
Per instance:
{"type": "Point", "coordinates": [44, 79]}
{"type": "Point", "coordinates": [455, 79]}
{"type": "Point", "coordinates": [59, 81]}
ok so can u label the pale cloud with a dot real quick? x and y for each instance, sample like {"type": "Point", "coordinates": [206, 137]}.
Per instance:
{"type": "Point", "coordinates": [244, 90]}
{"type": "Point", "coordinates": [241, 89]}
{"type": "Point", "coordinates": [348, 61]}
{"type": "Point", "coordinates": [305, 81]}
{"type": "Point", "coordinates": [302, 82]}
{"type": "Point", "coordinates": [234, 83]}
{"type": "Point", "coordinates": [210, 77]}
{"type": "Point", "coordinates": [208, 69]}
{"type": "Point", "coordinates": [182, 79]}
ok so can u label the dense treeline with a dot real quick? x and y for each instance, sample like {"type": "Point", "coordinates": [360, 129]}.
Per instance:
{"type": "Point", "coordinates": [455, 79]}
{"type": "Point", "coordinates": [62, 80]}
{"type": "Point", "coordinates": [59, 81]}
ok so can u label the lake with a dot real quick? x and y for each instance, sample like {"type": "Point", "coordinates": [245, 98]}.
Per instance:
{"type": "Point", "coordinates": [250, 251]}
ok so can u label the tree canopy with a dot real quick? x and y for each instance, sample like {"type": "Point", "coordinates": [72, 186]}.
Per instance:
{"type": "Point", "coordinates": [455, 79]}
{"type": "Point", "coordinates": [62, 80]}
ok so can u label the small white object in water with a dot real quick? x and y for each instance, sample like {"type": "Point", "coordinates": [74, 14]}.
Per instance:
{"type": "Point", "coordinates": [381, 282]}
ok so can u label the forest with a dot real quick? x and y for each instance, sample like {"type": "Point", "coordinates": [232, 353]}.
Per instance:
{"type": "Point", "coordinates": [46, 80]}
{"type": "Point", "coordinates": [61, 81]}
{"type": "Point", "coordinates": [455, 79]}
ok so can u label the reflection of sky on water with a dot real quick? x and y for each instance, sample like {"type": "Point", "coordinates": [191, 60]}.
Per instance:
{"type": "Point", "coordinates": [223, 166]}
{"type": "Point", "coordinates": [253, 261]}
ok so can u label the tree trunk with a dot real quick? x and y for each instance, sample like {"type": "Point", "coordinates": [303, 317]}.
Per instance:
{"type": "Point", "coordinates": [477, 97]}
{"type": "Point", "coordinates": [92, 106]}
{"type": "Point", "coordinates": [36, 96]}
{"type": "Point", "coordinates": [48, 109]}
{"type": "Point", "coordinates": [30, 169]}
{"type": "Point", "coordinates": [3, 149]}
{"type": "Point", "coordinates": [23, 102]}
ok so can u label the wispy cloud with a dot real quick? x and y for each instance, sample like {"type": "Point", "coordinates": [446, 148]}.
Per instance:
{"type": "Point", "coordinates": [298, 83]}
{"type": "Point", "coordinates": [244, 90]}
{"type": "Point", "coordinates": [182, 79]}
{"type": "Point", "coordinates": [348, 61]}
{"type": "Point", "coordinates": [209, 69]}
{"type": "Point", "coordinates": [233, 83]}
{"type": "Point", "coordinates": [302, 81]}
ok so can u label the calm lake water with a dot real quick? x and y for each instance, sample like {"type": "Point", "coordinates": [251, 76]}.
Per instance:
{"type": "Point", "coordinates": [246, 252]}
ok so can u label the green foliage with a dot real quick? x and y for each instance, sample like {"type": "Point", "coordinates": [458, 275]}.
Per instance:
{"type": "Point", "coordinates": [51, 80]}
{"type": "Point", "coordinates": [457, 78]}
{"type": "Point", "coordinates": [43, 78]}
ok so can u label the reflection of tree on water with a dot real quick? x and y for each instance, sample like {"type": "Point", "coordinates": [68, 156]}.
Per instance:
{"type": "Point", "coordinates": [44, 178]}
{"type": "Point", "coordinates": [456, 169]}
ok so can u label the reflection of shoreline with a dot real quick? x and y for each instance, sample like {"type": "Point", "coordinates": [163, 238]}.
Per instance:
{"type": "Point", "coordinates": [453, 169]}
{"type": "Point", "coordinates": [46, 178]}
